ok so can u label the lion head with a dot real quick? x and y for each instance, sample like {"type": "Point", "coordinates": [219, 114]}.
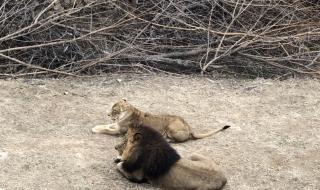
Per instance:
{"type": "Point", "coordinates": [146, 149]}
{"type": "Point", "coordinates": [120, 109]}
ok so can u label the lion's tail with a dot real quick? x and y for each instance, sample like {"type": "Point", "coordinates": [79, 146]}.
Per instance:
{"type": "Point", "coordinates": [203, 135]}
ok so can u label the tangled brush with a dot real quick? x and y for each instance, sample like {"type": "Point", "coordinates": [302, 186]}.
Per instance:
{"type": "Point", "coordinates": [256, 38]}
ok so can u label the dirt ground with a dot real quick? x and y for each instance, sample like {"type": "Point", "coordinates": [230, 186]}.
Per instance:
{"type": "Point", "coordinates": [46, 142]}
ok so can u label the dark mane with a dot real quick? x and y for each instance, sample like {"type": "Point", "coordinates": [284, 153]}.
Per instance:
{"type": "Point", "coordinates": [157, 156]}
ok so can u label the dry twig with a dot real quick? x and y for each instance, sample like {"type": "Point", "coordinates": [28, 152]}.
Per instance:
{"type": "Point", "coordinates": [248, 37]}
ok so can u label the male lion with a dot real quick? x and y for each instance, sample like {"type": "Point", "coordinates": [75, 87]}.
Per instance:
{"type": "Point", "coordinates": [147, 157]}
{"type": "Point", "coordinates": [172, 127]}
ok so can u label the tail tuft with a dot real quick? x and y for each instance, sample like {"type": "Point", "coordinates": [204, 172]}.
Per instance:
{"type": "Point", "coordinates": [200, 136]}
{"type": "Point", "coordinates": [226, 127]}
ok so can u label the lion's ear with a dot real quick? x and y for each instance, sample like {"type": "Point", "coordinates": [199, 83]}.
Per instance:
{"type": "Point", "coordinates": [137, 137]}
{"type": "Point", "coordinates": [124, 99]}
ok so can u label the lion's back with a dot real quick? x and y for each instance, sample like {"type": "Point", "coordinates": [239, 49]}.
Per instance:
{"type": "Point", "coordinates": [192, 174]}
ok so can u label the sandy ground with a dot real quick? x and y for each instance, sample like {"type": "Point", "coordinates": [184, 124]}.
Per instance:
{"type": "Point", "coordinates": [46, 143]}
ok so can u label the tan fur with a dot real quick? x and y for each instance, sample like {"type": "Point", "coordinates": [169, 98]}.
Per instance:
{"type": "Point", "coordinates": [172, 127]}
{"type": "Point", "coordinates": [195, 172]}
{"type": "Point", "coordinates": [190, 174]}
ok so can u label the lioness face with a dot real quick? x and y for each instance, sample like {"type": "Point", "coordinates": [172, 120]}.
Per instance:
{"type": "Point", "coordinates": [118, 109]}
{"type": "Point", "coordinates": [131, 149]}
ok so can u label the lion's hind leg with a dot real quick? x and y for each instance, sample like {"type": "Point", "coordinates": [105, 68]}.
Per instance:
{"type": "Point", "coordinates": [111, 129]}
{"type": "Point", "coordinates": [178, 131]}
{"type": "Point", "coordinates": [218, 179]}
{"type": "Point", "coordinates": [198, 157]}
{"type": "Point", "coordinates": [203, 160]}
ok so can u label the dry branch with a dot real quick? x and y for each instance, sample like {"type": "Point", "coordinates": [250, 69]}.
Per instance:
{"type": "Point", "coordinates": [247, 37]}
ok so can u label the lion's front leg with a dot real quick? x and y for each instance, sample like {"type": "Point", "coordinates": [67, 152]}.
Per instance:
{"type": "Point", "coordinates": [118, 160]}
{"type": "Point", "coordinates": [136, 176]}
{"type": "Point", "coordinates": [111, 129]}
{"type": "Point", "coordinates": [121, 146]}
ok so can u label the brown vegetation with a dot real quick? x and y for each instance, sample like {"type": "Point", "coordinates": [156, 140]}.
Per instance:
{"type": "Point", "coordinates": [251, 38]}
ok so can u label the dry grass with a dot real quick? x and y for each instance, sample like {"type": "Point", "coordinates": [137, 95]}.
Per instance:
{"type": "Point", "coordinates": [241, 37]}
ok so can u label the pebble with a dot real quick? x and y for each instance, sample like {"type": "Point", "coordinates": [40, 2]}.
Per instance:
{"type": "Point", "coordinates": [3, 156]}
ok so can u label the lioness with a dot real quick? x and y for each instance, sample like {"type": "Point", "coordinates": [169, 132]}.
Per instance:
{"type": "Point", "coordinates": [172, 127]}
{"type": "Point", "coordinates": [147, 156]}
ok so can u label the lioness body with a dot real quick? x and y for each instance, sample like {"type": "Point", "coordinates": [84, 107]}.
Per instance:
{"type": "Point", "coordinates": [170, 126]}
{"type": "Point", "coordinates": [147, 156]}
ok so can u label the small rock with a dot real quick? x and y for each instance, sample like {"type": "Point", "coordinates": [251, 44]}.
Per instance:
{"type": "Point", "coordinates": [3, 156]}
